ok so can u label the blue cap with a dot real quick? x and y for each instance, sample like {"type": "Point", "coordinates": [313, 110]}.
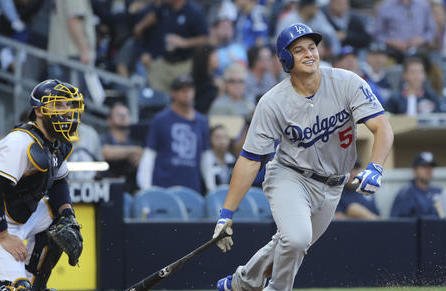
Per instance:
{"type": "Point", "coordinates": [424, 159]}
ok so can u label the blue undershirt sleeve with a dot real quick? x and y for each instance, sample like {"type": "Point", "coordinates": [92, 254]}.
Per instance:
{"type": "Point", "coordinates": [59, 194]}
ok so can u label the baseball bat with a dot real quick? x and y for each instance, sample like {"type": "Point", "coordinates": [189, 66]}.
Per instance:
{"type": "Point", "coordinates": [159, 275]}
{"type": "Point", "coordinates": [353, 185]}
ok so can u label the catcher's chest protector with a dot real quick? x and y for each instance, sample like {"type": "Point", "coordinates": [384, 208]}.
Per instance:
{"type": "Point", "coordinates": [46, 157]}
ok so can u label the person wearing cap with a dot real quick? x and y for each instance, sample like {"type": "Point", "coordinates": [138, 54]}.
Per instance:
{"type": "Point", "coordinates": [418, 198]}
{"type": "Point", "coordinates": [354, 205]}
{"type": "Point", "coordinates": [347, 59]}
{"type": "Point", "coordinates": [313, 112]}
{"type": "Point", "coordinates": [177, 148]}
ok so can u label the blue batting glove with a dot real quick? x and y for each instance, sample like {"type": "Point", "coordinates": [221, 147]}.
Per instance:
{"type": "Point", "coordinates": [369, 179]}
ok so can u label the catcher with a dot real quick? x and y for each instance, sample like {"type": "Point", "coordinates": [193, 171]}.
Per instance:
{"type": "Point", "coordinates": [35, 202]}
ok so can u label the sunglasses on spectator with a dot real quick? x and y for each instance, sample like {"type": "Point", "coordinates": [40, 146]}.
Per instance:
{"type": "Point", "coordinates": [238, 81]}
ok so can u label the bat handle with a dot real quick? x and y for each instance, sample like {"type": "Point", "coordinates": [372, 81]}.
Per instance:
{"type": "Point", "coordinates": [353, 185]}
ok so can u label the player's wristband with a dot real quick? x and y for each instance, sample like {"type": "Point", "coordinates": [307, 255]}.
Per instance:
{"type": "Point", "coordinates": [226, 213]}
{"type": "Point", "coordinates": [375, 166]}
{"type": "Point", "coordinates": [3, 223]}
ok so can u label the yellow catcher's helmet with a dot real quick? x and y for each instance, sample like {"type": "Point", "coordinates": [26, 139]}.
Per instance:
{"type": "Point", "coordinates": [62, 103]}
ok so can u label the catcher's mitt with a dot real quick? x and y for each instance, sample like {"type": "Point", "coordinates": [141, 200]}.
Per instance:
{"type": "Point", "coordinates": [65, 232]}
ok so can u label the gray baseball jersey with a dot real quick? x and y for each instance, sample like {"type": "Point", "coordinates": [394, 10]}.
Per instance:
{"type": "Point", "coordinates": [316, 133]}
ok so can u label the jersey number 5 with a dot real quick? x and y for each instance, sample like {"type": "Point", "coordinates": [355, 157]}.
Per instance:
{"type": "Point", "coordinates": [346, 137]}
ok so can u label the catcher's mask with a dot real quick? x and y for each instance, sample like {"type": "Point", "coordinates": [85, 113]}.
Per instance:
{"type": "Point", "coordinates": [62, 103]}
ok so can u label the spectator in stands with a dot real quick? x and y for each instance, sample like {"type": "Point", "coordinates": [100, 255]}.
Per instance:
{"type": "Point", "coordinates": [87, 149]}
{"type": "Point", "coordinates": [260, 78]}
{"type": "Point", "coordinates": [222, 160]}
{"type": "Point", "coordinates": [405, 26]}
{"type": "Point", "coordinates": [434, 74]}
{"type": "Point", "coordinates": [348, 60]}
{"type": "Point", "coordinates": [119, 149]}
{"type": "Point", "coordinates": [183, 27]}
{"type": "Point", "coordinates": [207, 85]}
{"type": "Point", "coordinates": [237, 144]}
{"type": "Point", "coordinates": [439, 13]}
{"type": "Point", "coordinates": [144, 41]}
{"type": "Point", "coordinates": [415, 96]}
{"type": "Point", "coordinates": [417, 199]}
{"type": "Point", "coordinates": [11, 22]}
{"type": "Point", "coordinates": [354, 205]}
{"type": "Point", "coordinates": [233, 102]}
{"type": "Point", "coordinates": [376, 69]}
{"type": "Point", "coordinates": [177, 149]}
{"type": "Point", "coordinates": [72, 33]}
{"type": "Point", "coordinates": [349, 27]}
{"type": "Point", "coordinates": [225, 9]}
{"type": "Point", "coordinates": [326, 55]}
{"type": "Point", "coordinates": [251, 25]}
{"type": "Point", "coordinates": [228, 50]}
{"type": "Point", "coordinates": [17, 22]}
{"type": "Point", "coordinates": [308, 12]}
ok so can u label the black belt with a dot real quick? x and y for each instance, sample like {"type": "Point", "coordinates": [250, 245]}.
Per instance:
{"type": "Point", "coordinates": [330, 180]}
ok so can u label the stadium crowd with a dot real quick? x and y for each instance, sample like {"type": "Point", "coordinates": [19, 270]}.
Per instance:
{"type": "Point", "coordinates": [211, 58]}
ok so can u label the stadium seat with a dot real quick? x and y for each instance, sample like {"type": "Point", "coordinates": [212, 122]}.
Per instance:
{"type": "Point", "coordinates": [128, 205]}
{"type": "Point", "coordinates": [193, 201]}
{"type": "Point", "coordinates": [247, 210]}
{"type": "Point", "coordinates": [261, 202]}
{"type": "Point", "coordinates": [156, 204]}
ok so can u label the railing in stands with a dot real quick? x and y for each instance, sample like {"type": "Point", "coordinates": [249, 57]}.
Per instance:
{"type": "Point", "coordinates": [16, 84]}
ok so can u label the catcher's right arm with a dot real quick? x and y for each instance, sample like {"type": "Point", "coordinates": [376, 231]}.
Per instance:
{"type": "Point", "coordinates": [65, 232]}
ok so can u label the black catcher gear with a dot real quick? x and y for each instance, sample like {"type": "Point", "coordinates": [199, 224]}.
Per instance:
{"type": "Point", "coordinates": [65, 232]}
{"type": "Point", "coordinates": [62, 103]}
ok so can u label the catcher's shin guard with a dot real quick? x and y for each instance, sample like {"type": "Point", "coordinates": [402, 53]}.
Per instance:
{"type": "Point", "coordinates": [44, 257]}
{"type": "Point", "coordinates": [21, 284]}
{"type": "Point", "coordinates": [6, 286]}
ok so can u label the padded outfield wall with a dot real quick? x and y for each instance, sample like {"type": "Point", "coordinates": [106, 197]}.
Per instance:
{"type": "Point", "coordinates": [350, 254]}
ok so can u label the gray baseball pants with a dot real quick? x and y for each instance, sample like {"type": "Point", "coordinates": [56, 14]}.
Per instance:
{"type": "Point", "coordinates": [302, 209]}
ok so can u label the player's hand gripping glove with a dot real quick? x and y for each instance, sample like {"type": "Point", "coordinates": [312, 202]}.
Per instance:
{"type": "Point", "coordinates": [224, 223]}
{"type": "Point", "coordinates": [65, 232]}
{"type": "Point", "coordinates": [369, 179]}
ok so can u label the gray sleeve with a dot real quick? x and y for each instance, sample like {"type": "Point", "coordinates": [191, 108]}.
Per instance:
{"type": "Point", "coordinates": [363, 103]}
{"type": "Point", "coordinates": [263, 131]}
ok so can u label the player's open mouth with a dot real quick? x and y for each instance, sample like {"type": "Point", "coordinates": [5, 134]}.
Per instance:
{"type": "Point", "coordinates": [309, 62]}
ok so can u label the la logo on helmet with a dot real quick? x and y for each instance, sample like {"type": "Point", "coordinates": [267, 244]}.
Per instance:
{"type": "Point", "coordinates": [300, 29]}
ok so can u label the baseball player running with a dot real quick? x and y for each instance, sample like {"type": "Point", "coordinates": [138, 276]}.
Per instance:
{"type": "Point", "coordinates": [35, 201]}
{"type": "Point", "coordinates": [313, 113]}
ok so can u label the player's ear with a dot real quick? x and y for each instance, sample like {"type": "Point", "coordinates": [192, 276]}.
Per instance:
{"type": "Point", "coordinates": [38, 112]}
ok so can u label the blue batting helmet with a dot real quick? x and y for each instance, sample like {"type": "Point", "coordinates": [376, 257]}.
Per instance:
{"type": "Point", "coordinates": [287, 37]}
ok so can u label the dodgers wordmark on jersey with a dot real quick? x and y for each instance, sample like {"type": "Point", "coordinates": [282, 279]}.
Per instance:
{"type": "Point", "coordinates": [317, 132]}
